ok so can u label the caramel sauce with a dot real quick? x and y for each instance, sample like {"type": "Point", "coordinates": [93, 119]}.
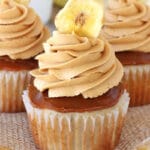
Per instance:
{"type": "Point", "coordinates": [133, 58]}
{"type": "Point", "coordinates": [77, 103]}
{"type": "Point", "coordinates": [15, 65]}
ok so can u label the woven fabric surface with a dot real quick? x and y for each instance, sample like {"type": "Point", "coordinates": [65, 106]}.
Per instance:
{"type": "Point", "coordinates": [15, 133]}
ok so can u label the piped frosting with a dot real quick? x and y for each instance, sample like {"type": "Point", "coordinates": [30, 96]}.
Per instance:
{"type": "Point", "coordinates": [21, 31]}
{"type": "Point", "coordinates": [127, 25]}
{"type": "Point", "coordinates": [72, 65]}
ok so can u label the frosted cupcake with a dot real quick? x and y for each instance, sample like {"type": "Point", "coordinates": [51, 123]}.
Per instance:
{"type": "Point", "coordinates": [77, 100]}
{"type": "Point", "coordinates": [21, 36]}
{"type": "Point", "coordinates": [127, 28]}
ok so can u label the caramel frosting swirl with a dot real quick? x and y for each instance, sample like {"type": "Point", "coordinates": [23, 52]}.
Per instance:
{"type": "Point", "coordinates": [127, 25]}
{"type": "Point", "coordinates": [21, 31]}
{"type": "Point", "coordinates": [73, 65]}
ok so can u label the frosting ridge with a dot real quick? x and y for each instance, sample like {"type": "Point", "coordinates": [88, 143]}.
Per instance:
{"type": "Point", "coordinates": [73, 65]}
{"type": "Point", "coordinates": [21, 31]}
{"type": "Point", "coordinates": [127, 25]}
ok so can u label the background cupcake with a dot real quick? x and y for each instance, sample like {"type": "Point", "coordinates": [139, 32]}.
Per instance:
{"type": "Point", "coordinates": [77, 101]}
{"type": "Point", "coordinates": [21, 38]}
{"type": "Point", "coordinates": [127, 28]}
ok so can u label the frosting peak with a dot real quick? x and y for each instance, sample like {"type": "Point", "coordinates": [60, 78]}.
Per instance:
{"type": "Point", "coordinates": [73, 65]}
{"type": "Point", "coordinates": [21, 31]}
{"type": "Point", "coordinates": [127, 25]}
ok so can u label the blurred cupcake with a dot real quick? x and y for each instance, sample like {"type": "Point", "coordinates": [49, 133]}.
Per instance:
{"type": "Point", "coordinates": [127, 28]}
{"type": "Point", "coordinates": [77, 101]}
{"type": "Point", "coordinates": [21, 38]}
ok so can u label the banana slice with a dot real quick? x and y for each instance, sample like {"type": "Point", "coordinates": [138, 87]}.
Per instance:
{"type": "Point", "coordinates": [145, 145]}
{"type": "Point", "coordinates": [145, 1]}
{"type": "Point", "coordinates": [4, 148]}
{"type": "Point", "coordinates": [83, 17]}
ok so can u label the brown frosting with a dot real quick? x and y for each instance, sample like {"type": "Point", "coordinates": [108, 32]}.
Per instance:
{"type": "Point", "coordinates": [127, 25]}
{"type": "Point", "coordinates": [72, 65]}
{"type": "Point", "coordinates": [76, 103]}
{"type": "Point", "coordinates": [133, 58]}
{"type": "Point", "coordinates": [21, 31]}
{"type": "Point", "coordinates": [16, 65]}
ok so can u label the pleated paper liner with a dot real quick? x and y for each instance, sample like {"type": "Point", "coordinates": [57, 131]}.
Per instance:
{"type": "Point", "coordinates": [137, 82]}
{"type": "Point", "coordinates": [12, 85]}
{"type": "Point", "coordinates": [97, 130]}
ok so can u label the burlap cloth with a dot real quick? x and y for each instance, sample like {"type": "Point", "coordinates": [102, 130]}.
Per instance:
{"type": "Point", "coordinates": [15, 133]}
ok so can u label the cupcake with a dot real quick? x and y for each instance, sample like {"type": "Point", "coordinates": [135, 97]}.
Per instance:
{"type": "Point", "coordinates": [21, 36]}
{"type": "Point", "coordinates": [76, 100]}
{"type": "Point", "coordinates": [127, 28]}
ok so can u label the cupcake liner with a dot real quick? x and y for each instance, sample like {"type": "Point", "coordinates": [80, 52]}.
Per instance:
{"type": "Point", "coordinates": [137, 82]}
{"type": "Point", "coordinates": [12, 85]}
{"type": "Point", "coordinates": [97, 130]}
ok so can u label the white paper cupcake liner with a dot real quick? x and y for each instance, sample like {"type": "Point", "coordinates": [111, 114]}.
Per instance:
{"type": "Point", "coordinates": [12, 84]}
{"type": "Point", "coordinates": [97, 130]}
{"type": "Point", "coordinates": [137, 82]}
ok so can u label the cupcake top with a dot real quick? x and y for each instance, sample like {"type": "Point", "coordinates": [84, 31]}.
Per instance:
{"type": "Point", "coordinates": [75, 65]}
{"type": "Point", "coordinates": [127, 25]}
{"type": "Point", "coordinates": [21, 31]}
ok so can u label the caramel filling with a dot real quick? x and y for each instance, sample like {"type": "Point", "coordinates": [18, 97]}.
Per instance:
{"type": "Point", "coordinates": [77, 103]}
{"type": "Point", "coordinates": [133, 58]}
{"type": "Point", "coordinates": [15, 65]}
